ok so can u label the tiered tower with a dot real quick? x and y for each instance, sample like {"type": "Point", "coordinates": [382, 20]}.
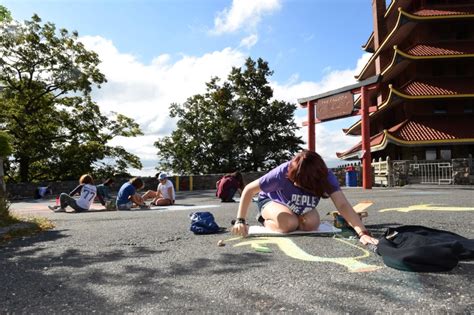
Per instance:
{"type": "Point", "coordinates": [424, 52]}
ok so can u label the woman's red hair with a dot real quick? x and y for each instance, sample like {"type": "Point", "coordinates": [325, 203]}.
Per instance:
{"type": "Point", "coordinates": [308, 171]}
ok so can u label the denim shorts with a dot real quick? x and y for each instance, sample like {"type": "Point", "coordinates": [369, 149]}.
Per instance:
{"type": "Point", "coordinates": [125, 206]}
{"type": "Point", "coordinates": [262, 203]}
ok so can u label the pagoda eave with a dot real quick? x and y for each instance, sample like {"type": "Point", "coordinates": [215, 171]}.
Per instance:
{"type": "Point", "coordinates": [404, 25]}
{"type": "Point", "coordinates": [419, 131]}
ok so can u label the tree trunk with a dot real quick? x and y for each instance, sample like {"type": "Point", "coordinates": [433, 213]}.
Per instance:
{"type": "Point", "coordinates": [24, 169]}
{"type": "Point", "coordinates": [3, 187]}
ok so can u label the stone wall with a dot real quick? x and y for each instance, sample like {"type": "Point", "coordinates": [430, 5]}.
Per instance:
{"type": "Point", "coordinates": [181, 183]}
{"type": "Point", "coordinates": [462, 169]}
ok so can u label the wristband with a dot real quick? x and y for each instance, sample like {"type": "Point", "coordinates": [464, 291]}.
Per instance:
{"type": "Point", "coordinates": [240, 221]}
{"type": "Point", "coordinates": [364, 232]}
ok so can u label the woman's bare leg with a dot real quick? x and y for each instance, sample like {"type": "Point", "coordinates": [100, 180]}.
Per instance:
{"type": "Point", "coordinates": [163, 202]}
{"type": "Point", "coordinates": [279, 218]}
{"type": "Point", "coordinates": [309, 221]}
{"type": "Point", "coordinates": [149, 194]}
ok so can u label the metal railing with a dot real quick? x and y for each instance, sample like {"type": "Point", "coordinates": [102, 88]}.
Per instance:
{"type": "Point", "coordinates": [433, 173]}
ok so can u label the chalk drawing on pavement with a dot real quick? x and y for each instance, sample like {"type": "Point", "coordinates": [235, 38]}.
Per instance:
{"type": "Point", "coordinates": [287, 246]}
{"type": "Point", "coordinates": [428, 207]}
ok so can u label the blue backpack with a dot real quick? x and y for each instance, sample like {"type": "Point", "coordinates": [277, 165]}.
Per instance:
{"type": "Point", "coordinates": [203, 223]}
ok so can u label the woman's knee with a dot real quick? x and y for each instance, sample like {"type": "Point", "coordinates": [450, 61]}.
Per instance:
{"type": "Point", "coordinates": [309, 221]}
{"type": "Point", "coordinates": [287, 222]}
{"type": "Point", "coordinates": [163, 202]}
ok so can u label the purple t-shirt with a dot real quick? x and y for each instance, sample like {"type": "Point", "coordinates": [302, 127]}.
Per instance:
{"type": "Point", "coordinates": [276, 186]}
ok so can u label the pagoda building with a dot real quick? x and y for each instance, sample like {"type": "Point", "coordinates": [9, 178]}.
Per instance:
{"type": "Point", "coordinates": [423, 53]}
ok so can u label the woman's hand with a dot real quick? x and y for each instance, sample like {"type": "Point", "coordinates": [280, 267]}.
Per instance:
{"type": "Point", "coordinates": [366, 239]}
{"type": "Point", "coordinates": [241, 229]}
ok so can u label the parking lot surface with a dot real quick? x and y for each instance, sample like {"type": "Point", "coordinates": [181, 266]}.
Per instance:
{"type": "Point", "coordinates": [148, 262]}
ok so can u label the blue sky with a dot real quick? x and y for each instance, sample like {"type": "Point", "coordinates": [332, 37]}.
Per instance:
{"type": "Point", "coordinates": [162, 51]}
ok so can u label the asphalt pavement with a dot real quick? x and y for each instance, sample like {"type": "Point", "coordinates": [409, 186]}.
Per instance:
{"type": "Point", "coordinates": [148, 262]}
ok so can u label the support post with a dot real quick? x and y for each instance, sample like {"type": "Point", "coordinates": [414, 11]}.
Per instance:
{"type": "Point", "coordinates": [367, 156]}
{"type": "Point", "coordinates": [311, 128]}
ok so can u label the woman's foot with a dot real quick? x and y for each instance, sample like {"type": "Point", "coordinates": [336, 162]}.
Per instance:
{"type": "Point", "coordinates": [57, 208]}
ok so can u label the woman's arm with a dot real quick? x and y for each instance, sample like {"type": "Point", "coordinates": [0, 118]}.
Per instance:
{"type": "Point", "coordinates": [251, 189]}
{"type": "Point", "coordinates": [101, 199]}
{"type": "Point", "coordinates": [76, 190]}
{"type": "Point", "coordinates": [346, 210]}
{"type": "Point", "coordinates": [137, 199]}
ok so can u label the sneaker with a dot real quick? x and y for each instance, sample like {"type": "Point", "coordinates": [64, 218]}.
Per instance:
{"type": "Point", "coordinates": [144, 206]}
{"type": "Point", "coordinates": [59, 209]}
{"type": "Point", "coordinates": [53, 207]}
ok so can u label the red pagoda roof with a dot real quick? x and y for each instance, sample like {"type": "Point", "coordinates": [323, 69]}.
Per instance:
{"type": "Point", "coordinates": [432, 128]}
{"type": "Point", "coordinates": [354, 152]}
{"type": "Point", "coordinates": [441, 49]}
{"type": "Point", "coordinates": [405, 24]}
{"type": "Point", "coordinates": [402, 59]}
{"type": "Point", "coordinates": [419, 90]}
{"type": "Point", "coordinates": [438, 87]}
{"type": "Point", "coordinates": [468, 10]}
{"type": "Point", "coordinates": [420, 131]}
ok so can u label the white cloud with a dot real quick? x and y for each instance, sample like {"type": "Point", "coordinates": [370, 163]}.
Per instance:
{"type": "Point", "coordinates": [333, 79]}
{"type": "Point", "coordinates": [243, 14]}
{"type": "Point", "coordinates": [249, 41]}
{"type": "Point", "coordinates": [145, 91]}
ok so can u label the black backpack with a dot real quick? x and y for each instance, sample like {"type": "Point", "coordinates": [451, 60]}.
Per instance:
{"type": "Point", "coordinates": [421, 249]}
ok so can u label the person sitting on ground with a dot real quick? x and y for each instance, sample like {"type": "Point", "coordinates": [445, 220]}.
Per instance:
{"type": "Point", "coordinates": [289, 194]}
{"type": "Point", "coordinates": [164, 194]}
{"type": "Point", "coordinates": [43, 191]}
{"type": "Point", "coordinates": [228, 185]}
{"type": "Point", "coordinates": [104, 188]}
{"type": "Point", "coordinates": [87, 192]}
{"type": "Point", "coordinates": [127, 197]}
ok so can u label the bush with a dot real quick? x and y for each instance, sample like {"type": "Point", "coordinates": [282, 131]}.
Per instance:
{"type": "Point", "coordinates": [5, 217]}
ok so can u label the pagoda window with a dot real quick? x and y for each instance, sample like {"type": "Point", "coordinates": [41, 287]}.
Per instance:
{"type": "Point", "coordinates": [430, 154]}
{"type": "Point", "coordinates": [462, 70]}
{"type": "Point", "coordinates": [440, 109]}
{"type": "Point", "coordinates": [438, 70]}
{"type": "Point", "coordinates": [445, 154]}
{"type": "Point", "coordinates": [444, 33]}
{"type": "Point", "coordinates": [468, 109]}
{"type": "Point", "coordinates": [462, 32]}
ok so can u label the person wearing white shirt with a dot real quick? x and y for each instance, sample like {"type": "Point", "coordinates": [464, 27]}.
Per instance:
{"type": "Point", "coordinates": [87, 192]}
{"type": "Point", "coordinates": [164, 194]}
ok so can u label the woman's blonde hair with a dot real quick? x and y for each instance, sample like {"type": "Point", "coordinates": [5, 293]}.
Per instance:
{"type": "Point", "coordinates": [86, 179]}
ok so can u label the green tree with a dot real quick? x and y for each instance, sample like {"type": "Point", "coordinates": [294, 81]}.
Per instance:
{"type": "Point", "coordinates": [57, 130]}
{"type": "Point", "coordinates": [5, 15]}
{"type": "Point", "coordinates": [5, 151]}
{"type": "Point", "coordinates": [234, 125]}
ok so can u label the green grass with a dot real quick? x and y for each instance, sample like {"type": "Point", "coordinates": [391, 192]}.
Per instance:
{"type": "Point", "coordinates": [38, 224]}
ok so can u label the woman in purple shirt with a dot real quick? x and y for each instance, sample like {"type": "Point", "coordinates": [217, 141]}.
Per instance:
{"type": "Point", "coordinates": [289, 194]}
